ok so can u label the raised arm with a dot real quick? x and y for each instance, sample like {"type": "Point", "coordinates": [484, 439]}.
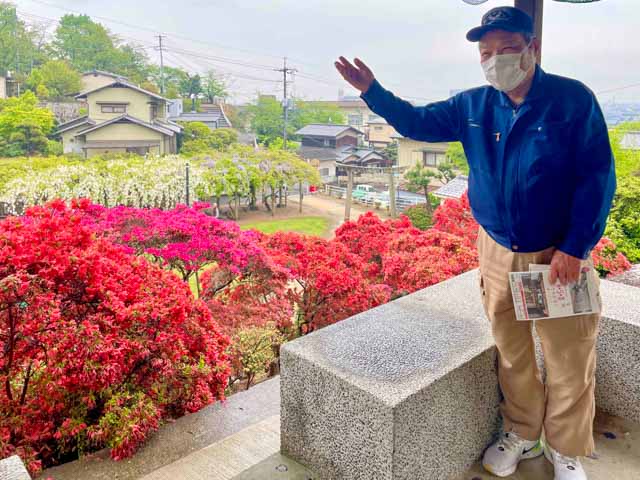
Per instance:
{"type": "Point", "coordinates": [434, 122]}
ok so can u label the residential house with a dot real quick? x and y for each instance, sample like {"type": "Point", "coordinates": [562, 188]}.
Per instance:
{"type": "Point", "coordinates": [97, 78]}
{"type": "Point", "coordinates": [212, 114]}
{"type": "Point", "coordinates": [379, 133]}
{"type": "Point", "coordinates": [121, 117]}
{"type": "Point", "coordinates": [323, 145]}
{"type": "Point", "coordinates": [412, 151]}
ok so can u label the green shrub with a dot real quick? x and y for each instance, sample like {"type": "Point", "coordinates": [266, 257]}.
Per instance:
{"type": "Point", "coordinates": [419, 216]}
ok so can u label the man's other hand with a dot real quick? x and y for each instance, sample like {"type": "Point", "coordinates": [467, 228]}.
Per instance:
{"type": "Point", "coordinates": [359, 76]}
{"type": "Point", "coordinates": [564, 267]}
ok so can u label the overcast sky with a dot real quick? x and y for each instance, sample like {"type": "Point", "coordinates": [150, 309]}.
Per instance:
{"type": "Point", "coordinates": [416, 48]}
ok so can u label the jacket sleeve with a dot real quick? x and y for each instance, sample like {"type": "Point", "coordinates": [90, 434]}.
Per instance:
{"type": "Point", "coordinates": [595, 183]}
{"type": "Point", "coordinates": [434, 122]}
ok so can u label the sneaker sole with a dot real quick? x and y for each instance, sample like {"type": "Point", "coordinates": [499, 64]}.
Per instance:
{"type": "Point", "coordinates": [535, 452]}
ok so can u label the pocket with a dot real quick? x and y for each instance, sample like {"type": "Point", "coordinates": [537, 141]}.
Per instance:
{"type": "Point", "coordinates": [548, 150]}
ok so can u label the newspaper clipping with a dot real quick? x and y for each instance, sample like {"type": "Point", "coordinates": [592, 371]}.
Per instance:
{"type": "Point", "coordinates": [534, 297]}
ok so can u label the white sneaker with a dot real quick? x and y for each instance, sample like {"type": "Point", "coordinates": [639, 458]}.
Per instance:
{"type": "Point", "coordinates": [565, 468]}
{"type": "Point", "coordinates": [502, 458]}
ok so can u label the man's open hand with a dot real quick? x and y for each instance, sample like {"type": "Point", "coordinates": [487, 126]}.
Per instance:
{"type": "Point", "coordinates": [564, 267]}
{"type": "Point", "coordinates": [360, 76]}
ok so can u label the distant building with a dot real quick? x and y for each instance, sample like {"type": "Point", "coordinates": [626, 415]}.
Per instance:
{"type": "Point", "coordinates": [631, 140]}
{"type": "Point", "coordinates": [379, 133]}
{"type": "Point", "coordinates": [427, 154]}
{"type": "Point", "coordinates": [454, 189]}
{"type": "Point", "coordinates": [3, 87]}
{"type": "Point", "coordinates": [121, 117]}
{"type": "Point", "coordinates": [213, 115]}
{"type": "Point", "coordinates": [323, 145]}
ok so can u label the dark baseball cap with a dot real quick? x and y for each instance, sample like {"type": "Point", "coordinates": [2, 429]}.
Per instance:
{"type": "Point", "coordinates": [502, 18]}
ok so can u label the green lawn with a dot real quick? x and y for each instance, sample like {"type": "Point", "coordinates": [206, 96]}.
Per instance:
{"type": "Point", "coordinates": [309, 225]}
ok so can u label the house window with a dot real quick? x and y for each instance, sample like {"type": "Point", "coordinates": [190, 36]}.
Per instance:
{"type": "Point", "coordinates": [374, 117]}
{"type": "Point", "coordinates": [432, 159]}
{"type": "Point", "coordinates": [327, 142]}
{"type": "Point", "coordinates": [377, 128]}
{"type": "Point", "coordinates": [154, 111]}
{"type": "Point", "coordinates": [355, 120]}
{"type": "Point", "coordinates": [324, 172]}
{"type": "Point", "coordinates": [113, 108]}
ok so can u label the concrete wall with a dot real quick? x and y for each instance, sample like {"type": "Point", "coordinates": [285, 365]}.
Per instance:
{"type": "Point", "coordinates": [408, 390]}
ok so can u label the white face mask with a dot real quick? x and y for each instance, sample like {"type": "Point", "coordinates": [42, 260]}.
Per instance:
{"type": "Point", "coordinates": [504, 71]}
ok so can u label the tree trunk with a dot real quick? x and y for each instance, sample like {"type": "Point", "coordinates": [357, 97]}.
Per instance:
{"type": "Point", "coordinates": [273, 201]}
{"type": "Point", "coordinates": [300, 207]}
{"type": "Point", "coordinates": [428, 205]}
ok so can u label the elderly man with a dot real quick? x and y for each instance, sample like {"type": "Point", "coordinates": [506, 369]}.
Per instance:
{"type": "Point", "coordinates": [541, 182]}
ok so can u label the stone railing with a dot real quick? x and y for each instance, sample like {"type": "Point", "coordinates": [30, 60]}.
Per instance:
{"type": "Point", "coordinates": [409, 389]}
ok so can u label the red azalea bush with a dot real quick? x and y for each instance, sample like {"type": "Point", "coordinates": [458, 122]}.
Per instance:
{"type": "Point", "coordinates": [405, 258]}
{"type": "Point", "coordinates": [328, 284]}
{"type": "Point", "coordinates": [183, 239]}
{"type": "Point", "coordinates": [99, 345]}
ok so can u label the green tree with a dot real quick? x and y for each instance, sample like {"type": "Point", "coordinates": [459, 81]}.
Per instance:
{"type": "Point", "coordinates": [267, 120]}
{"type": "Point", "coordinates": [57, 77]}
{"type": "Point", "coordinates": [24, 126]}
{"type": "Point", "coordinates": [191, 87]}
{"type": "Point", "coordinates": [306, 113]}
{"type": "Point", "coordinates": [18, 44]}
{"type": "Point", "coordinates": [623, 226]}
{"type": "Point", "coordinates": [455, 154]}
{"type": "Point", "coordinates": [419, 178]}
{"type": "Point", "coordinates": [173, 77]}
{"type": "Point", "coordinates": [391, 151]}
{"type": "Point", "coordinates": [213, 87]}
{"type": "Point", "coordinates": [199, 139]}
{"type": "Point", "coordinates": [88, 45]}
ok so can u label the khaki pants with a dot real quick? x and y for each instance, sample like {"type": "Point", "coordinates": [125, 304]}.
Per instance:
{"type": "Point", "coordinates": [565, 406]}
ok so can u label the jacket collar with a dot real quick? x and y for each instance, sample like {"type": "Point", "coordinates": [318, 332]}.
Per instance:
{"type": "Point", "coordinates": [536, 91]}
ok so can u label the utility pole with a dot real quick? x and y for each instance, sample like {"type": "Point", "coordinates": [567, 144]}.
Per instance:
{"type": "Point", "coordinates": [285, 101]}
{"type": "Point", "coordinates": [160, 37]}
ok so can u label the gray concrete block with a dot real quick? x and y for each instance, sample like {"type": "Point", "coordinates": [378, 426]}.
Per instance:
{"type": "Point", "coordinates": [12, 468]}
{"type": "Point", "coordinates": [403, 391]}
{"type": "Point", "coordinates": [408, 390]}
{"type": "Point", "coordinates": [618, 362]}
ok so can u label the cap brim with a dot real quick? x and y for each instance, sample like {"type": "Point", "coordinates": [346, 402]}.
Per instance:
{"type": "Point", "coordinates": [475, 34]}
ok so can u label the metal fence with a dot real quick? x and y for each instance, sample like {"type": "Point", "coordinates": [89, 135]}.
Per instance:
{"type": "Point", "coordinates": [373, 199]}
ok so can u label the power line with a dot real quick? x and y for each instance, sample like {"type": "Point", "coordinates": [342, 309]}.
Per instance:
{"type": "Point", "coordinates": [140, 27]}
{"type": "Point", "coordinates": [617, 89]}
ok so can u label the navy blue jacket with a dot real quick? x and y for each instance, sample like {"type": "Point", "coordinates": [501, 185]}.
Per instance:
{"type": "Point", "coordinates": [541, 174]}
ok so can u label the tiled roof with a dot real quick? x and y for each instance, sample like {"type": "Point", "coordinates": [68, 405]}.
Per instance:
{"type": "Point", "coordinates": [127, 118]}
{"type": "Point", "coordinates": [122, 83]}
{"type": "Point", "coordinates": [318, 153]}
{"type": "Point", "coordinates": [326, 130]}
{"type": "Point", "coordinates": [76, 122]}
{"type": "Point", "coordinates": [454, 189]}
